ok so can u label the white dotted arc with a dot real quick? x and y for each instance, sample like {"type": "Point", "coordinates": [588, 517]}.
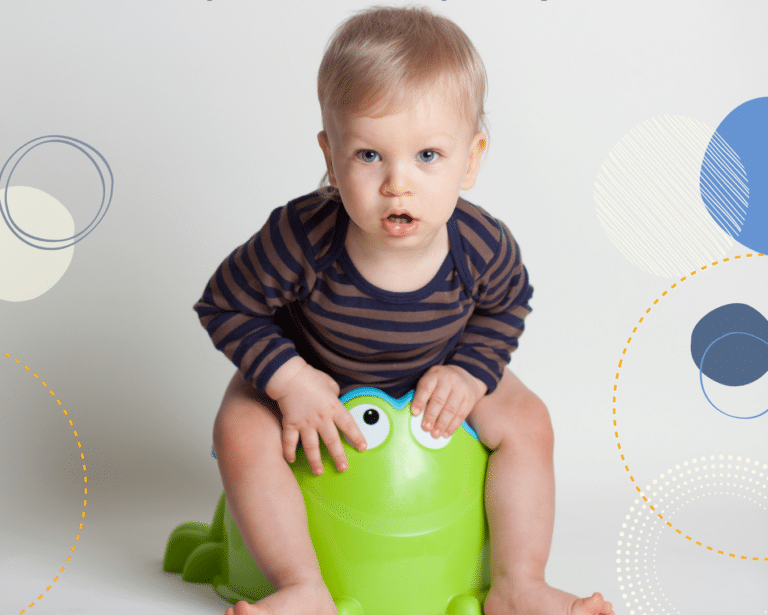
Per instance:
{"type": "Point", "coordinates": [703, 475]}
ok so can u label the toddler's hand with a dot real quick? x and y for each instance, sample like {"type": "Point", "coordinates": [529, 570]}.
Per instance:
{"type": "Point", "coordinates": [452, 393]}
{"type": "Point", "coordinates": [309, 403]}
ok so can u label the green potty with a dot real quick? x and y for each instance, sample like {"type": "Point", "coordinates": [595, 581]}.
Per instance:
{"type": "Point", "coordinates": [402, 532]}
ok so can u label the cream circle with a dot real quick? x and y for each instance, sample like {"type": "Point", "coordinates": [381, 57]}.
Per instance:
{"type": "Point", "coordinates": [648, 198]}
{"type": "Point", "coordinates": [28, 272]}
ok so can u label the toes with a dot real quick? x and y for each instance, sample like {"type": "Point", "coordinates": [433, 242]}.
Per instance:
{"type": "Point", "coordinates": [596, 605]}
{"type": "Point", "coordinates": [241, 608]}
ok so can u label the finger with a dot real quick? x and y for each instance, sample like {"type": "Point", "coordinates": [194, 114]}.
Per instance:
{"type": "Point", "coordinates": [330, 435]}
{"type": "Point", "coordinates": [435, 406]}
{"type": "Point", "coordinates": [424, 389]}
{"type": "Point", "coordinates": [350, 428]}
{"type": "Point", "coordinates": [290, 441]}
{"type": "Point", "coordinates": [311, 444]}
{"type": "Point", "coordinates": [457, 421]}
{"type": "Point", "coordinates": [447, 414]}
{"type": "Point", "coordinates": [452, 408]}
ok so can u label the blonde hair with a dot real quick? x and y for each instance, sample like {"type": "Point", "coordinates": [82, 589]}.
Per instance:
{"type": "Point", "coordinates": [380, 59]}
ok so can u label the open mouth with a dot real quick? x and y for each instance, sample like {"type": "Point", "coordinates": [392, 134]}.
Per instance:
{"type": "Point", "coordinates": [400, 224]}
{"type": "Point", "coordinates": [400, 218]}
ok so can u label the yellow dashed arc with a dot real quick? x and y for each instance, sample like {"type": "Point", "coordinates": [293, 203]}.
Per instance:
{"type": "Point", "coordinates": [616, 433]}
{"type": "Point", "coordinates": [85, 477]}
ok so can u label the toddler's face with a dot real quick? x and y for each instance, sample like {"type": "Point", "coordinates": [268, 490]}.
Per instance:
{"type": "Point", "coordinates": [399, 175]}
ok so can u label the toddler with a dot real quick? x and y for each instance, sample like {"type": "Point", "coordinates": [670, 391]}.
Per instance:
{"type": "Point", "coordinates": [385, 277]}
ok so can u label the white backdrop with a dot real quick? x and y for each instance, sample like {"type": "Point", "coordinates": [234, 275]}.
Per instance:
{"type": "Point", "coordinates": [205, 113]}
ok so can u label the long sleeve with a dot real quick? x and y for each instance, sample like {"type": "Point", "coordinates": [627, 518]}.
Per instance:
{"type": "Point", "coordinates": [502, 294]}
{"type": "Point", "coordinates": [272, 269]}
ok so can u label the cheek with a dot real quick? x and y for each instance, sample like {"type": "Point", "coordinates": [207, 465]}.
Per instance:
{"type": "Point", "coordinates": [361, 179]}
{"type": "Point", "coordinates": [357, 189]}
{"type": "Point", "coordinates": [448, 180]}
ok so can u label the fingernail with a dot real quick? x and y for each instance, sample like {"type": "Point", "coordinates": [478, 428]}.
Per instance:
{"type": "Point", "coordinates": [342, 467]}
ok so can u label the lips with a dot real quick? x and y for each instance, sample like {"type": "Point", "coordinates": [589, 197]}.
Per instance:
{"type": "Point", "coordinates": [399, 224]}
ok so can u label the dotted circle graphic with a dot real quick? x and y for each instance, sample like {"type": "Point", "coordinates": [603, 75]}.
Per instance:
{"type": "Point", "coordinates": [96, 159]}
{"type": "Point", "coordinates": [636, 552]}
{"type": "Point", "coordinates": [82, 457]}
{"type": "Point", "coordinates": [701, 377]}
{"type": "Point", "coordinates": [657, 510]}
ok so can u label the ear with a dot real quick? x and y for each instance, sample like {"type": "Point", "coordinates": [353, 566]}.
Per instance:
{"type": "Point", "coordinates": [476, 150]}
{"type": "Point", "coordinates": [325, 145]}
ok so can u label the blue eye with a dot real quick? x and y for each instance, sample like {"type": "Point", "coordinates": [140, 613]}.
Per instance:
{"type": "Point", "coordinates": [428, 155]}
{"type": "Point", "coordinates": [367, 155]}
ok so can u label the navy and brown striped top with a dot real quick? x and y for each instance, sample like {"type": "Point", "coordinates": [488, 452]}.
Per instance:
{"type": "Point", "coordinates": [292, 289]}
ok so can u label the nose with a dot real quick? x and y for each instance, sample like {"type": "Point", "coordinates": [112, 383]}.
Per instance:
{"type": "Point", "coordinates": [397, 182]}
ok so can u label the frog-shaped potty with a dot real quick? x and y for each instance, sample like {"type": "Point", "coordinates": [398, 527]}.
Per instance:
{"type": "Point", "coordinates": [402, 531]}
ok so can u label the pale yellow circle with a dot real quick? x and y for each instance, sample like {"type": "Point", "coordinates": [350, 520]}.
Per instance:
{"type": "Point", "coordinates": [649, 201]}
{"type": "Point", "coordinates": [27, 272]}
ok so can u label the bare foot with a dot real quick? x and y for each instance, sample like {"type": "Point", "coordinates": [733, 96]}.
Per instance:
{"type": "Point", "coordinates": [303, 599]}
{"type": "Point", "coordinates": [541, 599]}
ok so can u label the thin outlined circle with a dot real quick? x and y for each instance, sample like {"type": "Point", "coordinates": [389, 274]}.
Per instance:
{"type": "Point", "coordinates": [107, 184]}
{"type": "Point", "coordinates": [701, 378]}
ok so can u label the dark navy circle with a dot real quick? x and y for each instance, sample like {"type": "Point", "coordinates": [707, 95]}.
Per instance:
{"type": "Point", "coordinates": [701, 378]}
{"type": "Point", "coordinates": [107, 182]}
{"type": "Point", "coordinates": [738, 360]}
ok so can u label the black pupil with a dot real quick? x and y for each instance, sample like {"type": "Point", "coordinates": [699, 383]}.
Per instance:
{"type": "Point", "coordinates": [371, 417]}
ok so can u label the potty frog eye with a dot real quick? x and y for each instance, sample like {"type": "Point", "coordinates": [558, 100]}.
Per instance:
{"type": "Point", "coordinates": [373, 423]}
{"type": "Point", "coordinates": [425, 437]}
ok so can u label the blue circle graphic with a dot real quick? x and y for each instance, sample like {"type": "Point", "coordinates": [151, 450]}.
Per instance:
{"type": "Point", "coordinates": [107, 182]}
{"type": "Point", "coordinates": [701, 376]}
{"type": "Point", "coordinates": [737, 154]}
{"type": "Point", "coordinates": [735, 361]}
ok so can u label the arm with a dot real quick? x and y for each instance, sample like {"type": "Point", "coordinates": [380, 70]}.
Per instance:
{"type": "Point", "coordinates": [502, 299]}
{"type": "Point", "coordinates": [474, 368]}
{"type": "Point", "coordinates": [275, 267]}
{"type": "Point", "coordinates": [237, 308]}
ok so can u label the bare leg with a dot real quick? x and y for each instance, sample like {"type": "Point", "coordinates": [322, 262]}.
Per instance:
{"type": "Point", "coordinates": [267, 504]}
{"type": "Point", "coordinates": [520, 504]}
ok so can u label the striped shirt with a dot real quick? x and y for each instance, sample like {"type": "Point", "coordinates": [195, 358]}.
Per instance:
{"type": "Point", "coordinates": [293, 290]}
